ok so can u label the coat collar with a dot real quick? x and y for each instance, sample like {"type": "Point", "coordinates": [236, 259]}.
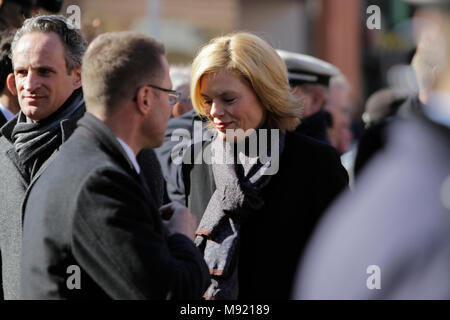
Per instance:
{"type": "Point", "coordinates": [99, 131]}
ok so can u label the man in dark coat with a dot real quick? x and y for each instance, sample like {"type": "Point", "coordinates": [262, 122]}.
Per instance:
{"type": "Point", "coordinates": [46, 56]}
{"type": "Point", "coordinates": [92, 228]}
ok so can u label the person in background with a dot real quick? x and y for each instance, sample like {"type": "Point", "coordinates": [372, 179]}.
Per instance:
{"type": "Point", "coordinates": [183, 117]}
{"type": "Point", "coordinates": [256, 214]}
{"type": "Point", "coordinates": [380, 110]}
{"type": "Point", "coordinates": [339, 106]}
{"type": "Point", "coordinates": [14, 12]}
{"type": "Point", "coordinates": [93, 210]}
{"type": "Point", "coordinates": [9, 105]}
{"type": "Point", "coordinates": [309, 78]}
{"type": "Point", "coordinates": [181, 76]}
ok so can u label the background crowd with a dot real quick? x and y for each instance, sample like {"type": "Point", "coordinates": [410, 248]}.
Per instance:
{"type": "Point", "coordinates": [107, 188]}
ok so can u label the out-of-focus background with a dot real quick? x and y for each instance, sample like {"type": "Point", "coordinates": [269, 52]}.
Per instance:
{"type": "Point", "coordinates": [333, 30]}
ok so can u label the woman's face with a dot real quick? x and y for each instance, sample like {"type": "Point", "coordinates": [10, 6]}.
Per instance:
{"type": "Point", "coordinates": [231, 102]}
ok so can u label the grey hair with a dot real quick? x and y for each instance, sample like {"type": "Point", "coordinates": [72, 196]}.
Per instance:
{"type": "Point", "coordinates": [73, 40]}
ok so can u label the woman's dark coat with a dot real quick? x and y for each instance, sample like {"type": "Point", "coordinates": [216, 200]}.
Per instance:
{"type": "Point", "coordinates": [309, 178]}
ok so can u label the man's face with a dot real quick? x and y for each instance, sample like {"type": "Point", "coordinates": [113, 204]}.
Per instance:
{"type": "Point", "coordinates": [42, 81]}
{"type": "Point", "coordinates": [161, 110]}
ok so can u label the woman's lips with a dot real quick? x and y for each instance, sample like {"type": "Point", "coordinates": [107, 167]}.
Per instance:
{"type": "Point", "coordinates": [222, 125]}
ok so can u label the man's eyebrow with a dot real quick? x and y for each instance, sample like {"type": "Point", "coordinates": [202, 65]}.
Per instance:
{"type": "Point", "coordinates": [18, 67]}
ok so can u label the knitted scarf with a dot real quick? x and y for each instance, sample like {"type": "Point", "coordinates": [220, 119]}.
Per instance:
{"type": "Point", "coordinates": [34, 142]}
{"type": "Point", "coordinates": [238, 196]}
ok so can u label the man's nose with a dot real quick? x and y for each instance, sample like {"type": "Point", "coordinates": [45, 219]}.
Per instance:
{"type": "Point", "coordinates": [32, 81]}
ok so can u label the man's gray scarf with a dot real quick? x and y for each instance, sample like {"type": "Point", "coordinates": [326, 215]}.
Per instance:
{"type": "Point", "coordinates": [238, 195]}
{"type": "Point", "coordinates": [34, 142]}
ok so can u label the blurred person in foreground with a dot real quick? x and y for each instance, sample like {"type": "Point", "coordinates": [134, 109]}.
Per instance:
{"type": "Point", "coordinates": [9, 105]}
{"type": "Point", "coordinates": [46, 55]}
{"type": "Point", "coordinates": [259, 186]}
{"type": "Point", "coordinates": [309, 78]}
{"type": "Point", "coordinates": [93, 210]}
{"type": "Point", "coordinates": [390, 239]}
{"type": "Point", "coordinates": [386, 105]}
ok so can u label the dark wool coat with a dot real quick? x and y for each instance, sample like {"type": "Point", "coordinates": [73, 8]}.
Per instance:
{"type": "Point", "coordinates": [90, 210]}
{"type": "Point", "coordinates": [2, 119]}
{"type": "Point", "coordinates": [309, 178]}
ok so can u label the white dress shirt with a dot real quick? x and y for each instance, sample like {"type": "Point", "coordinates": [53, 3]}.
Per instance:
{"type": "Point", "coordinates": [130, 155]}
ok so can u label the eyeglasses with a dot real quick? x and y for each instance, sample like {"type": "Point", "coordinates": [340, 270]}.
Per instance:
{"type": "Point", "coordinates": [174, 96]}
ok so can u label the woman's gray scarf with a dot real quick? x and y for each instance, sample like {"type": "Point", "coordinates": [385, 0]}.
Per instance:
{"type": "Point", "coordinates": [237, 196]}
{"type": "Point", "coordinates": [34, 142]}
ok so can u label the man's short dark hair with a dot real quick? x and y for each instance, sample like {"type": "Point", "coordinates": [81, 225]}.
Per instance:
{"type": "Point", "coordinates": [116, 64]}
{"type": "Point", "coordinates": [73, 40]}
{"type": "Point", "coordinates": [6, 37]}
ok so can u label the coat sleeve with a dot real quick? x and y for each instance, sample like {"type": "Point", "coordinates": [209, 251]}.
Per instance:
{"type": "Point", "coordinates": [120, 241]}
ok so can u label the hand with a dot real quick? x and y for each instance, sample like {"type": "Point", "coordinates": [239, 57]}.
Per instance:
{"type": "Point", "coordinates": [178, 219]}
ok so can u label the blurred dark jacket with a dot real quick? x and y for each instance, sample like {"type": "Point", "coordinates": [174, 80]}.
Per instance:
{"type": "Point", "coordinates": [374, 137]}
{"type": "Point", "coordinates": [315, 126]}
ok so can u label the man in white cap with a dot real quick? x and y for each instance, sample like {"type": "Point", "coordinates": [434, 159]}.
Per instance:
{"type": "Point", "coordinates": [309, 77]}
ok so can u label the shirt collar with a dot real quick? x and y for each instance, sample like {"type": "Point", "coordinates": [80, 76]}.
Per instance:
{"type": "Point", "coordinates": [130, 155]}
{"type": "Point", "coordinates": [8, 114]}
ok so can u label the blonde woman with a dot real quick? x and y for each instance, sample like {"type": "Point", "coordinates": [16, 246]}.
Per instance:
{"type": "Point", "coordinates": [258, 208]}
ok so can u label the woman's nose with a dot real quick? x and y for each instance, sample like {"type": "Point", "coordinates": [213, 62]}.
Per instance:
{"type": "Point", "coordinates": [216, 110]}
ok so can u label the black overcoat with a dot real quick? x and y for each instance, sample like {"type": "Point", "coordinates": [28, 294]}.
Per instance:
{"type": "Point", "coordinates": [310, 176]}
{"type": "Point", "coordinates": [90, 212]}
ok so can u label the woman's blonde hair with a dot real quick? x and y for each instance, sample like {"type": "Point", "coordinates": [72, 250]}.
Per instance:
{"type": "Point", "coordinates": [252, 58]}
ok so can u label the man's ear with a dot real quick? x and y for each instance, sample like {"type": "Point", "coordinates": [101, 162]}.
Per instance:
{"type": "Point", "coordinates": [144, 100]}
{"type": "Point", "coordinates": [318, 101]}
{"type": "Point", "coordinates": [11, 84]}
{"type": "Point", "coordinates": [77, 77]}
{"type": "Point", "coordinates": [297, 91]}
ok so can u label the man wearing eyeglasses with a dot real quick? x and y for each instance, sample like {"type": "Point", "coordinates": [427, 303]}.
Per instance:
{"type": "Point", "coordinates": [93, 228]}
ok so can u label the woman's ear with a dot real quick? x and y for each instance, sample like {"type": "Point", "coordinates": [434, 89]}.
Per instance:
{"type": "Point", "coordinates": [11, 84]}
